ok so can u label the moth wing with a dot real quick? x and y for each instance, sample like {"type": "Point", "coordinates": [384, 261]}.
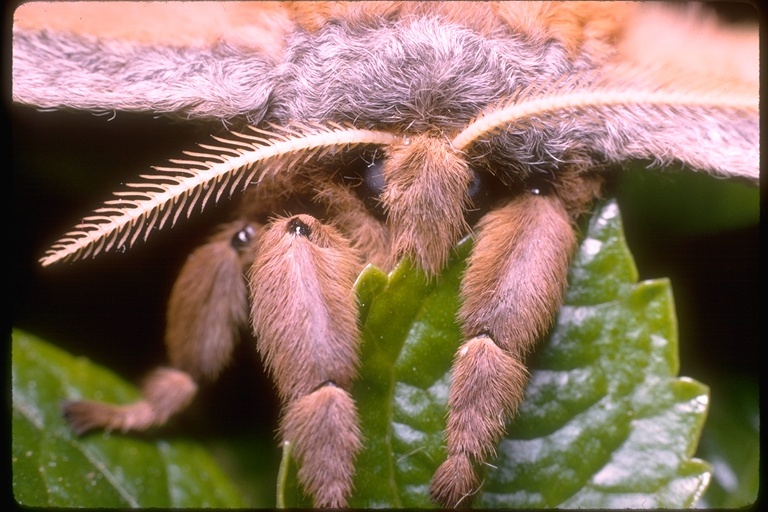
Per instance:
{"type": "Point", "coordinates": [687, 50]}
{"type": "Point", "coordinates": [256, 25]}
{"type": "Point", "coordinates": [151, 56]}
{"type": "Point", "coordinates": [691, 40]}
{"type": "Point", "coordinates": [663, 83]}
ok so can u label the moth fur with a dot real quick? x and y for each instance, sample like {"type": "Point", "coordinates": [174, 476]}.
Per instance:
{"type": "Point", "coordinates": [380, 130]}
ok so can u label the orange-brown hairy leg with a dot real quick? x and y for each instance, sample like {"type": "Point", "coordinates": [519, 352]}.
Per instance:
{"type": "Point", "coordinates": [304, 316]}
{"type": "Point", "coordinates": [165, 392]}
{"type": "Point", "coordinates": [368, 235]}
{"type": "Point", "coordinates": [207, 309]}
{"type": "Point", "coordinates": [426, 198]}
{"type": "Point", "coordinates": [323, 428]}
{"type": "Point", "coordinates": [511, 292]}
{"type": "Point", "coordinates": [209, 301]}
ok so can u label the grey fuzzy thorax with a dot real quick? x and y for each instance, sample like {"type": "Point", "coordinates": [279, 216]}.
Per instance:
{"type": "Point", "coordinates": [410, 76]}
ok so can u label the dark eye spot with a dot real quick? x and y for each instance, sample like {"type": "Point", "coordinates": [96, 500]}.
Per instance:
{"type": "Point", "coordinates": [538, 186]}
{"type": "Point", "coordinates": [478, 188]}
{"type": "Point", "coordinates": [242, 237]}
{"type": "Point", "coordinates": [484, 191]}
{"type": "Point", "coordinates": [299, 228]}
{"type": "Point", "coordinates": [373, 177]}
{"type": "Point", "coordinates": [366, 176]}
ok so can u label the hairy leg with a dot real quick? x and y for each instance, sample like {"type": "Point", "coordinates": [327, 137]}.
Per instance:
{"type": "Point", "coordinates": [304, 316]}
{"type": "Point", "coordinates": [207, 309]}
{"type": "Point", "coordinates": [511, 291]}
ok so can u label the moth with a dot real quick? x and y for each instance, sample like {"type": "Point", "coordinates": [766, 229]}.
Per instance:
{"type": "Point", "coordinates": [368, 132]}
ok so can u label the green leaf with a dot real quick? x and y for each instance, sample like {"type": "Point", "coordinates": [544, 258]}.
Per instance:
{"type": "Point", "coordinates": [53, 468]}
{"type": "Point", "coordinates": [606, 422]}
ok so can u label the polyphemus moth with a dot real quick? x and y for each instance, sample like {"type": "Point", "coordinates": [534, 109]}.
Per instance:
{"type": "Point", "coordinates": [367, 132]}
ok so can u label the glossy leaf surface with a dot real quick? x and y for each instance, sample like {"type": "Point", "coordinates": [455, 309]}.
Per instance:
{"type": "Point", "coordinates": [606, 422]}
{"type": "Point", "coordinates": [54, 468]}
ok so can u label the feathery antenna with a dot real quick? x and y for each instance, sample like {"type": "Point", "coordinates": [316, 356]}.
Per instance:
{"type": "Point", "coordinates": [634, 107]}
{"type": "Point", "coordinates": [163, 196]}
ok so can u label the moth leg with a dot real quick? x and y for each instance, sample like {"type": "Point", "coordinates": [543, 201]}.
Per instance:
{"type": "Point", "coordinates": [165, 392]}
{"type": "Point", "coordinates": [207, 308]}
{"type": "Point", "coordinates": [304, 316]}
{"type": "Point", "coordinates": [209, 302]}
{"type": "Point", "coordinates": [511, 292]}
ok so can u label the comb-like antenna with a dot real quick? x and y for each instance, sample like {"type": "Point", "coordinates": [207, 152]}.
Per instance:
{"type": "Point", "coordinates": [700, 123]}
{"type": "Point", "coordinates": [149, 205]}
